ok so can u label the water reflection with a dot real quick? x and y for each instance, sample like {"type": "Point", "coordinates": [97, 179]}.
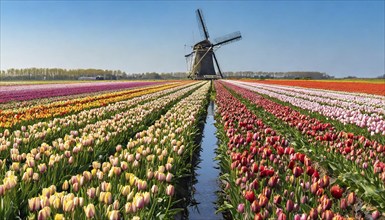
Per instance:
{"type": "Point", "coordinates": [202, 205]}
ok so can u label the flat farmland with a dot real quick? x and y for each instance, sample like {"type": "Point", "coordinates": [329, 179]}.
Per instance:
{"type": "Point", "coordinates": [285, 149]}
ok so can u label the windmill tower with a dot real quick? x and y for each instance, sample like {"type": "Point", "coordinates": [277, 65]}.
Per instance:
{"type": "Point", "coordinates": [202, 58]}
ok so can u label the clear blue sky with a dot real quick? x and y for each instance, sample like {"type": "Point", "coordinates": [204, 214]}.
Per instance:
{"type": "Point", "coordinates": [338, 37]}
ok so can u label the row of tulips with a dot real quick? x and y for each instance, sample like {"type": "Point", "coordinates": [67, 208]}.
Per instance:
{"type": "Point", "coordinates": [93, 134]}
{"type": "Point", "coordinates": [373, 122]}
{"type": "Point", "coordinates": [28, 92]}
{"type": "Point", "coordinates": [40, 101]}
{"type": "Point", "coordinates": [138, 181]}
{"type": "Point", "coordinates": [354, 147]}
{"type": "Point", "coordinates": [265, 178]}
{"type": "Point", "coordinates": [360, 87]}
{"type": "Point", "coordinates": [355, 159]}
{"type": "Point", "coordinates": [50, 163]}
{"type": "Point", "coordinates": [370, 104]}
{"type": "Point", "coordinates": [12, 117]}
{"type": "Point", "coordinates": [363, 102]}
{"type": "Point", "coordinates": [33, 135]}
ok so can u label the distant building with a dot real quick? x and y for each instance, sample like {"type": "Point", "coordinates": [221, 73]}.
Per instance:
{"type": "Point", "coordinates": [91, 78]}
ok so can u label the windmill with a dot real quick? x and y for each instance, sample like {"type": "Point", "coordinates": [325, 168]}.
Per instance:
{"type": "Point", "coordinates": [201, 59]}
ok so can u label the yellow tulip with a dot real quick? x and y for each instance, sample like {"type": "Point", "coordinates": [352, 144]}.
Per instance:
{"type": "Point", "coordinates": [15, 166]}
{"type": "Point", "coordinates": [93, 172]}
{"type": "Point", "coordinates": [130, 196]}
{"type": "Point", "coordinates": [59, 217]}
{"type": "Point", "coordinates": [35, 176]}
{"type": "Point", "coordinates": [146, 197]}
{"type": "Point", "coordinates": [116, 205]}
{"type": "Point", "coordinates": [68, 205]}
{"type": "Point", "coordinates": [44, 213]}
{"type": "Point", "coordinates": [65, 185]}
{"type": "Point", "coordinates": [108, 198]}
{"type": "Point", "coordinates": [56, 203]}
{"type": "Point", "coordinates": [128, 207]}
{"type": "Point", "coordinates": [114, 215]}
{"type": "Point", "coordinates": [34, 204]}
{"type": "Point", "coordinates": [101, 196]}
{"type": "Point", "coordinates": [138, 201]}
{"type": "Point", "coordinates": [90, 210]}
{"type": "Point", "coordinates": [125, 190]}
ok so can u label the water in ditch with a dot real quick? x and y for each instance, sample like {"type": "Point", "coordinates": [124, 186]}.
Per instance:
{"type": "Point", "coordinates": [207, 173]}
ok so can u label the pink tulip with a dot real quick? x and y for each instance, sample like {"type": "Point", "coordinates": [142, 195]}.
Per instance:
{"type": "Point", "coordinates": [170, 190]}
{"type": "Point", "coordinates": [241, 208]}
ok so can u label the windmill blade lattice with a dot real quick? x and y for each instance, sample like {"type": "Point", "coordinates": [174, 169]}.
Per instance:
{"type": "Point", "coordinates": [229, 38]}
{"type": "Point", "coordinates": [202, 24]}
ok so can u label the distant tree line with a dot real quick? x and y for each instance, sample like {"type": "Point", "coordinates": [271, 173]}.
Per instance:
{"type": "Point", "coordinates": [155, 75]}
{"type": "Point", "coordinates": [240, 74]}
{"type": "Point", "coordinates": [280, 75]}
{"type": "Point", "coordinates": [58, 74]}
{"type": "Point", "coordinates": [79, 74]}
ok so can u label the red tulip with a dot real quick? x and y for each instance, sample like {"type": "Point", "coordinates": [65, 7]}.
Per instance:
{"type": "Point", "coordinates": [291, 164]}
{"type": "Point", "coordinates": [266, 191]}
{"type": "Point", "coordinates": [326, 180]}
{"type": "Point", "coordinates": [273, 181]}
{"type": "Point", "coordinates": [309, 171]}
{"type": "Point", "coordinates": [249, 195]}
{"type": "Point", "coordinates": [280, 150]}
{"type": "Point", "coordinates": [326, 204]}
{"type": "Point", "coordinates": [254, 184]}
{"type": "Point", "coordinates": [304, 199]}
{"type": "Point", "coordinates": [265, 173]}
{"type": "Point", "coordinates": [255, 206]}
{"type": "Point", "coordinates": [289, 205]}
{"type": "Point", "coordinates": [328, 215]}
{"type": "Point", "coordinates": [315, 174]}
{"type": "Point", "coordinates": [300, 157]}
{"type": "Point", "coordinates": [343, 204]}
{"type": "Point", "coordinates": [320, 192]}
{"type": "Point", "coordinates": [281, 216]}
{"type": "Point", "coordinates": [254, 167]}
{"type": "Point", "coordinates": [313, 214]}
{"type": "Point", "coordinates": [263, 200]}
{"type": "Point", "coordinates": [307, 161]}
{"type": "Point", "coordinates": [297, 171]}
{"type": "Point", "coordinates": [258, 216]}
{"type": "Point", "coordinates": [277, 199]}
{"type": "Point", "coordinates": [336, 191]}
{"type": "Point", "coordinates": [314, 188]}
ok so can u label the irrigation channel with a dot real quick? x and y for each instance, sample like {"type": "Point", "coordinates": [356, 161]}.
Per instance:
{"type": "Point", "coordinates": [207, 174]}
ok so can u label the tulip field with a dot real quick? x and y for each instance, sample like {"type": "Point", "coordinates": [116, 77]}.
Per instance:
{"type": "Point", "coordinates": [295, 153]}
{"type": "Point", "coordinates": [123, 150]}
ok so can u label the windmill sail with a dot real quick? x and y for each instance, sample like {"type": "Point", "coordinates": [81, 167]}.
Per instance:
{"type": "Point", "coordinates": [216, 62]}
{"type": "Point", "coordinates": [202, 24]}
{"type": "Point", "coordinates": [229, 38]}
